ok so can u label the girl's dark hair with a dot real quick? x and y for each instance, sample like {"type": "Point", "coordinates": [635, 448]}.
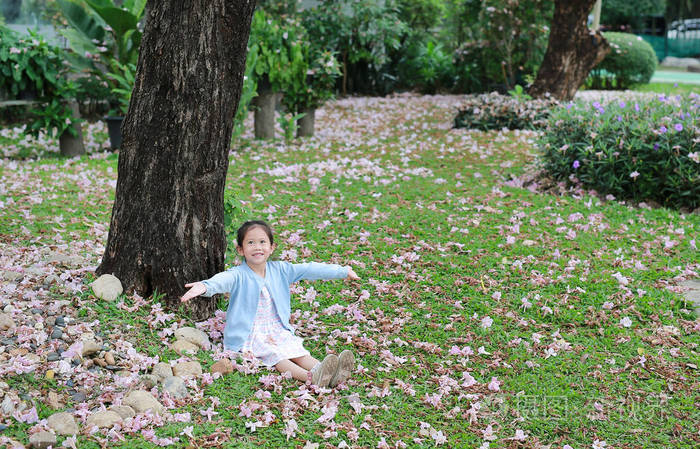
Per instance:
{"type": "Point", "coordinates": [248, 225]}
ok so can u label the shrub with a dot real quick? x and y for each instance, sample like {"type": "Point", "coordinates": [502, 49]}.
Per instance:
{"type": "Point", "coordinates": [631, 61]}
{"type": "Point", "coordinates": [638, 150]}
{"type": "Point", "coordinates": [495, 111]}
{"type": "Point", "coordinates": [427, 67]}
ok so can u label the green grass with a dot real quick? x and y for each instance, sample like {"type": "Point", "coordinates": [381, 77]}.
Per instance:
{"type": "Point", "coordinates": [405, 185]}
{"type": "Point", "coordinates": [669, 88]}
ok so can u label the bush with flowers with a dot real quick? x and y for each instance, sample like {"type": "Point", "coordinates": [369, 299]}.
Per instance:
{"type": "Point", "coordinates": [495, 111]}
{"type": "Point", "coordinates": [639, 150]}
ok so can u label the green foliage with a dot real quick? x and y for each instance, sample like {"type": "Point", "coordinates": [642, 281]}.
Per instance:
{"type": "Point", "coordinates": [495, 112]}
{"type": "Point", "coordinates": [288, 122]}
{"type": "Point", "coordinates": [502, 42]}
{"type": "Point", "coordinates": [30, 65]}
{"type": "Point", "coordinates": [249, 90]}
{"type": "Point", "coordinates": [290, 63]}
{"type": "Point", "coordinates": [617, 13]}
{"type": "Point", "coordinates": [362, 34]}
{"type": "Point", "coordinates": [123, 75]}
{"type": "Point", "coordinates": [648, 150]}
{"type": "Point", "coordinates": [279, 46]}
{"type": "Point", "coordinates": [104, 35]}
{"type": "Point", "coordinates": [428, 67]}
{"type": "Point", "coordinates": [631, 61]}
{"type": "Point", "coordinates": [315, 85]}
{"type": "Point", "coordinates": [421, 15]}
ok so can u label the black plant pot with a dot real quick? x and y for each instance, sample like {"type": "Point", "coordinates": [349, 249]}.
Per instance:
{"type": "Point", "coordinates": [114, 127]}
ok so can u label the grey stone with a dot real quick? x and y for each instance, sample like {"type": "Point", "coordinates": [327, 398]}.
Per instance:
{"type": "Point", "coordinates": [176, 387]}
{"type": "Point", "coordinates": [78, 397]}
{"type": "Point", "coordinates": [66, 260]}
{"type": "Point", "coordinates": [56, 333]}
{"type": "Point", "coordinates": [63, 423]}
{"type": "Point", "coordinates": [123, 410]}
{"type": "Point", "coordinates": [149, 381]}
{"type": "Point", "coordinates": [60, 321]}
{"type": "Point", "coordinates": [692, 295]}
{"type": "Point", "coordinates": [183, 369]}
{"type": "Point", "coordinates": [103, 419]}
{"type": "Point", "coordinates": [7, 407]}
{"type": "Point", "coordinates": [90, 347]}
{"type": "Point", "coordinates": [107, 287]}
{"type": "Point", "coordinates": [42, 440]}
{"type": "Point", "coordinates": [183, 347]}
{"type": "Point", "coordinates": [12, 276]}
{"type": "Point", "coordinates": [142, 401]}
{"type": "Point", "coordinates": [194, 336]}
{"type": "Point", "coordinates": [6, 322]}
{"type": "Point", "coordinates": [53, 357]}
{"type": "Point", "coordinates": [162, 370]}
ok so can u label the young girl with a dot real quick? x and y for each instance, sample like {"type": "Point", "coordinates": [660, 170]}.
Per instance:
{"type": "Point", "coordinates": [257, 319]}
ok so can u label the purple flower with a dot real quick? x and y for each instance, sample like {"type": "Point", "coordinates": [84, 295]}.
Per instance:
{"type": "Point", "coordinates": [623, 104]}
{"type": "Point", "coordinates": [636, 107]}
{"type": "Point", "coordinates": [656, 146]}
{"type": "Point", "coordinates": [663, 129]}
{"type": "Point", "coordinates": [576, 164]}
{"type": "Point", "coordinates": [678, 127]}
{"type": "Point", "coordinates": [619, 118]}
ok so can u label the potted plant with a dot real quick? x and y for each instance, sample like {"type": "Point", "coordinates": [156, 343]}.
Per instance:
{"type": "Point", "coordinates": [124, 76]}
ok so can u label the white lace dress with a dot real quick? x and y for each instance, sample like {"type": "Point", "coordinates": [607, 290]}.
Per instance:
{"type": "Point", "coordinates": [269, 341]}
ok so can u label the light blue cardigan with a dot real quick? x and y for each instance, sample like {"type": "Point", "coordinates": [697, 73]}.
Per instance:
{"type": "Point", "coordinates": [245, 286]}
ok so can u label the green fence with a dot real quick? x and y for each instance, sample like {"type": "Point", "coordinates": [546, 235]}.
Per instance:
{"type": "Point", "coordinates": [679, 47]}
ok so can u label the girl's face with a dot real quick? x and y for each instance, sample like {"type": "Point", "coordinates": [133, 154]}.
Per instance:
{"type": "Point", "coordinates": [257, 247]}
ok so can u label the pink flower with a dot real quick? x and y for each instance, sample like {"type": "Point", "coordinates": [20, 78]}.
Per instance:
{"type": "Point", "coordinates": [486, 322]}
{"type": "Point", "coordinates": [495, 384]}
{"type": "Point", "coordinates": [626, 322]}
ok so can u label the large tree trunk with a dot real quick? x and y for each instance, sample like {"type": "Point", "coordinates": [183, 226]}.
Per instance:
{"type": "Point", "coordinates": [572, 52]}
{"type": "Point", "coordinates": [167, 224]}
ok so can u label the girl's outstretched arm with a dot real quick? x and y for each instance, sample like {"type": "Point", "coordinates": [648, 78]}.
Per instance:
{"type": "Point", "coordinates": [195, 289]}
{"type": "Point", "coordinates": [219, 283]}
{"type": "Point", "coordinates": [352, 276]}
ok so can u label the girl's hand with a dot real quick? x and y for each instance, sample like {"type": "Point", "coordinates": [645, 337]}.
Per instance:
{"type": "Point", "coordinates": [352, 275]}
{"type": "Point", "coordinates": [195, 289]}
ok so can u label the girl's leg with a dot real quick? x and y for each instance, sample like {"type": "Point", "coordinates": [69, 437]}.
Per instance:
{"type": "Point", "coordinates": [297, 371]}
{"type": "Point", "coordinates": [307, 362]}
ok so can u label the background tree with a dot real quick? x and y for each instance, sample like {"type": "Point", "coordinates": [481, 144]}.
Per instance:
{"type": "Point", "coordinates": [167, 225]}
{"type": "Point", "coordinates": [572, 52]}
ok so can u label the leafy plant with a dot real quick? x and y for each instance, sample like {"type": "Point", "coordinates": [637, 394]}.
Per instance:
{"type": "Point", "coordinates": [362, 34]}
{"type": "Point", "coordinates": [642, 150]}
{"type": "Point", "coordinates": [28, 65]}
{"type": "Point", "coordinates": [123, 75]}
{"type": "Point", "coordinates": [314, 85]}
{"type": "Point", "coordinates": [288, 123]}
{"type": "Point", "coordinates": [103, 34]}
{"type": "Point", "coordinates": [427, 67]}
{"type": "Point", "coordinates": [631, 61]}
{"type": "Point", "coordinates": [519, 93]}
{"type": "Point", "coordinates": [279, 46]}
{"type": "Point", "coordinates": [32, 65]}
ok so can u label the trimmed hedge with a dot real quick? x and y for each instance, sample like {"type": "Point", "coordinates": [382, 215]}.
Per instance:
{"type": "Point", "coordinates": [631, 61]}
{"type": "Point", "coordinates": [495, 111]}
{"type": "Point", "coordinates": [646, 150]}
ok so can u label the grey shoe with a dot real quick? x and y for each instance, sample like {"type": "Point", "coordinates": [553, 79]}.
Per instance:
{"type": "Point", "coordinates": [346, 364]}
{"type": "Point", "coordinates": [322, 373]}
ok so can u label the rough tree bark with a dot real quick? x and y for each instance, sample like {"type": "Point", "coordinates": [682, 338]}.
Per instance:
{"type": "Point", "coordinates": [572, 52]}
{"type": "Point", "coordinates": [167, 225]}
